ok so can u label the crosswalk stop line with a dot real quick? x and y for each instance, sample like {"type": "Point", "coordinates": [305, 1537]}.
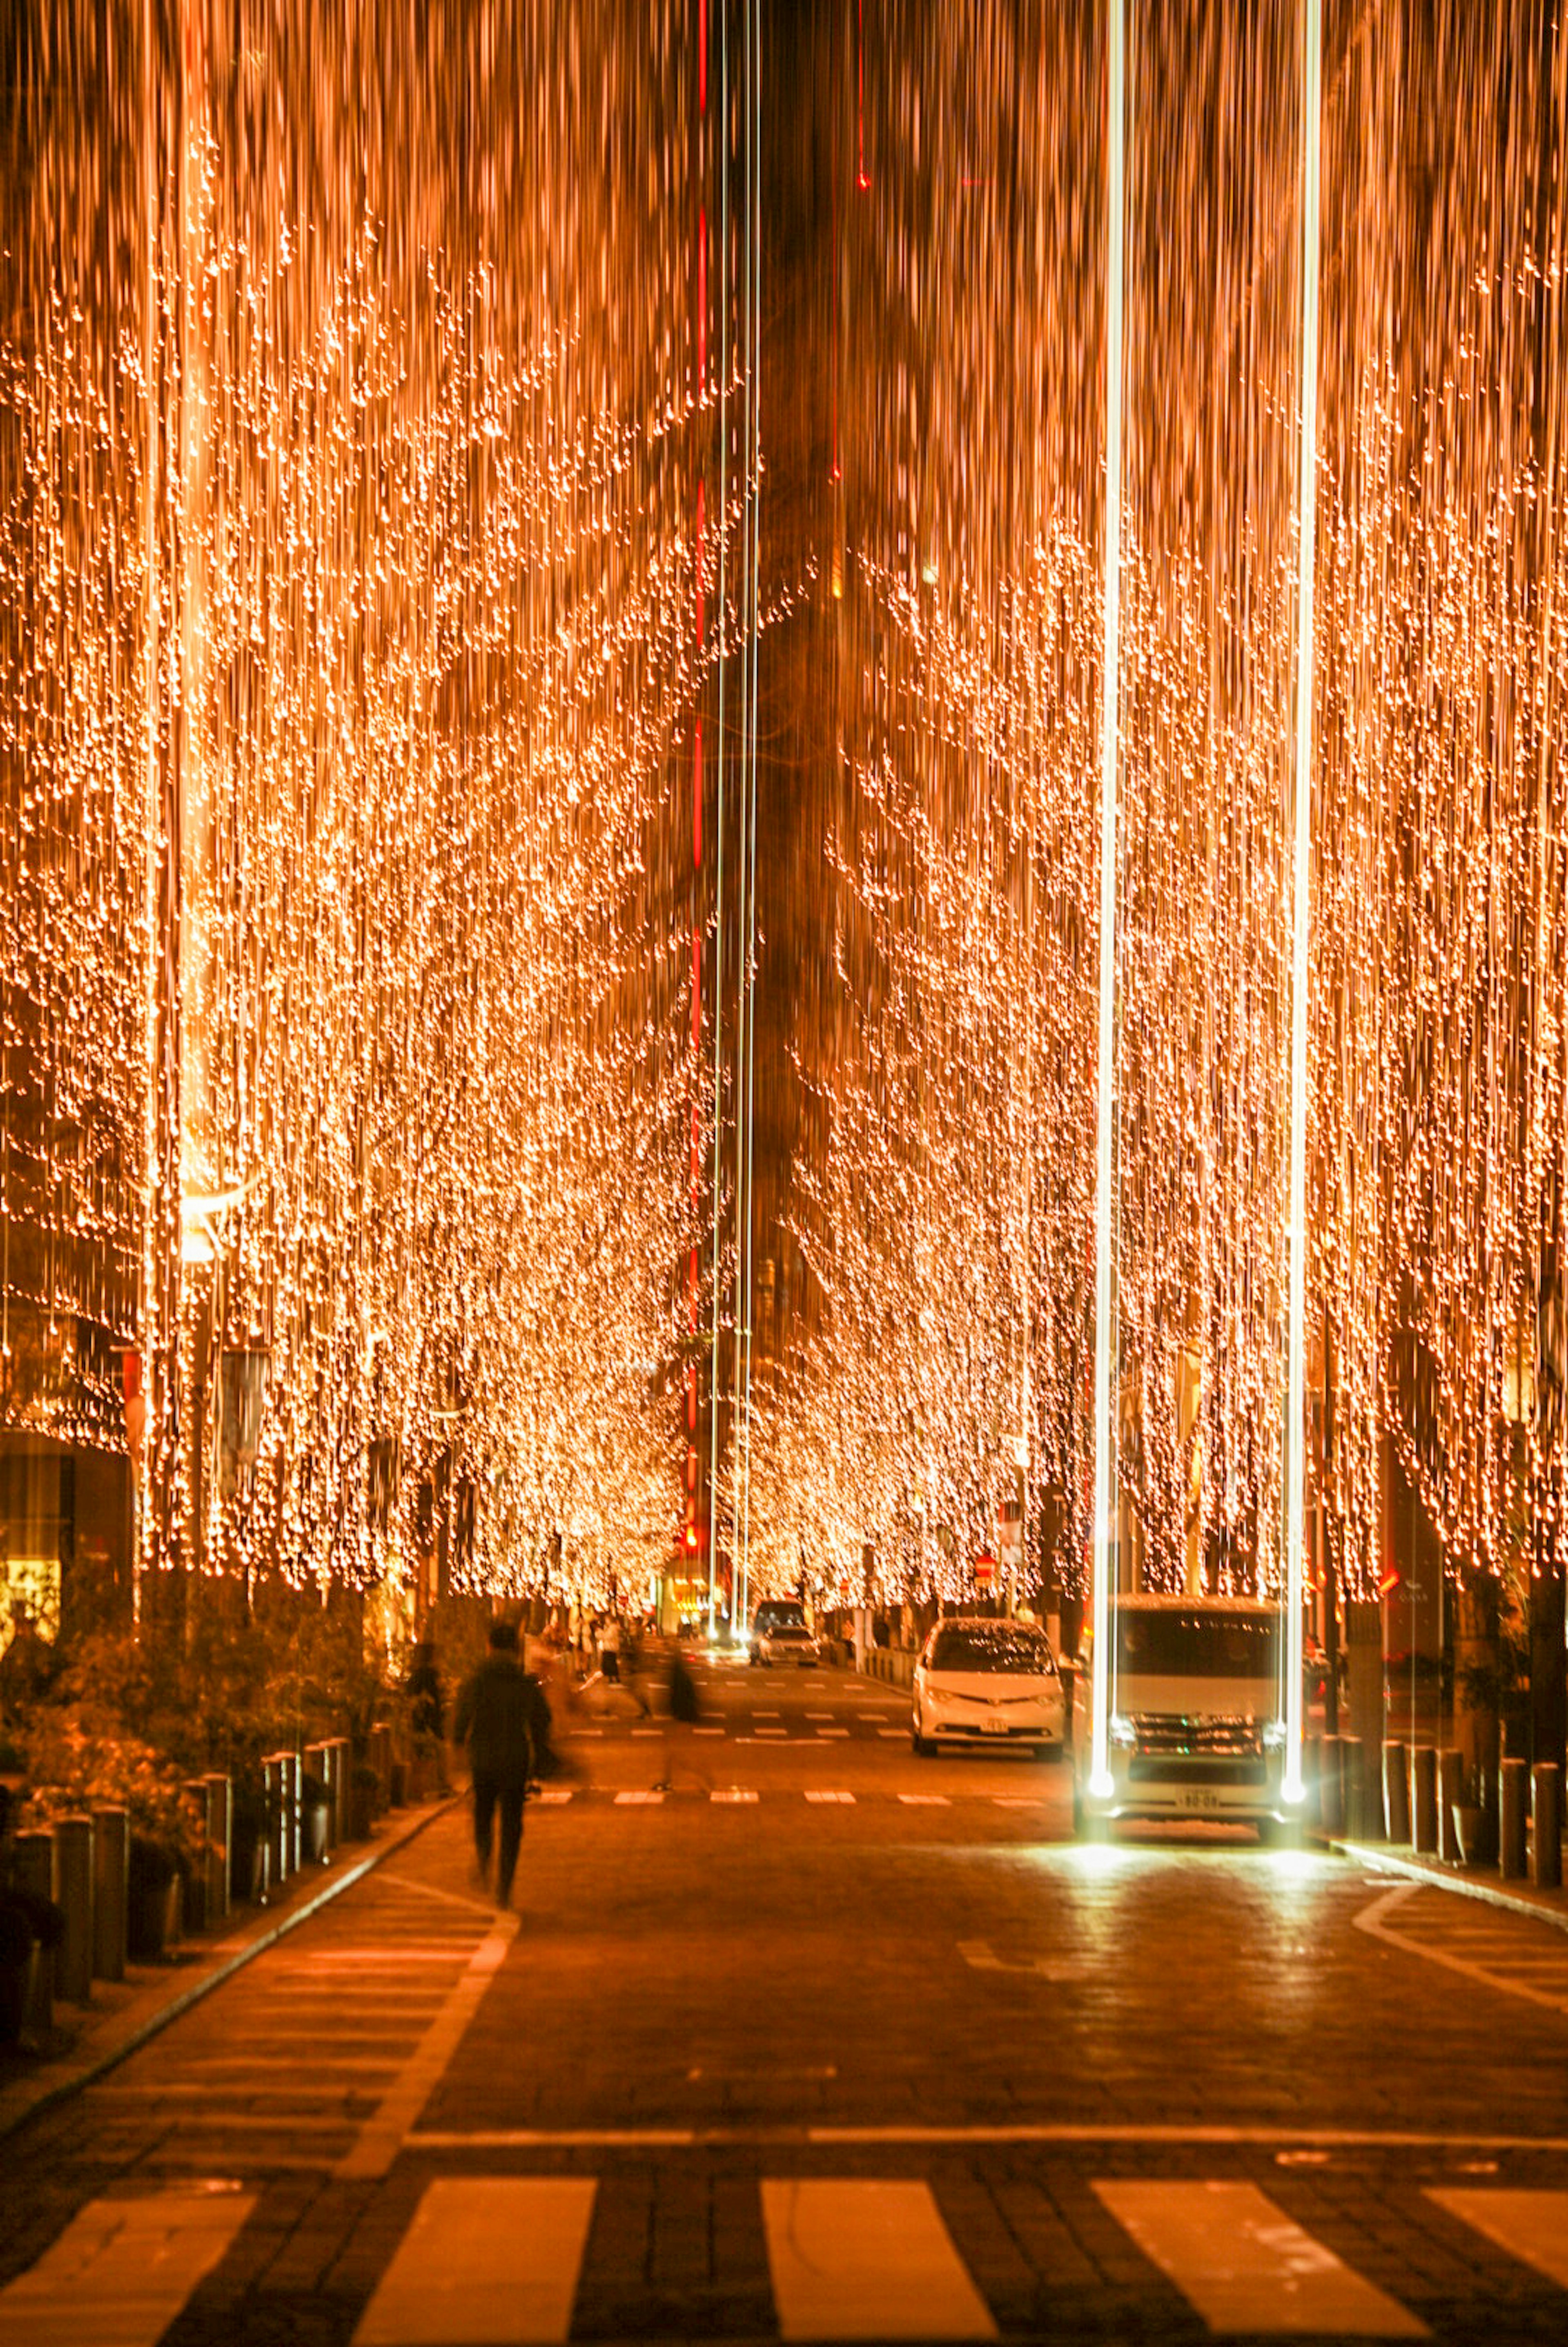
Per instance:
{"type": "Point", "coordinates": [488, 2261]}
{"type": "Point", "coordinates": [857, 2259]}
{"type": "Point", "coordinates": [122, 2269]}
{"type": "Point", "coordinates": [1245, 2266]}
{"type": "Point", "coordinates": [1532, 2226]}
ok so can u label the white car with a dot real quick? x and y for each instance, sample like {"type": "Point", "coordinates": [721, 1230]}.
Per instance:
{"type": "Point", "coordinates": [779, 1634]}
{"type": "Point", "coordinates": [981, 1681]}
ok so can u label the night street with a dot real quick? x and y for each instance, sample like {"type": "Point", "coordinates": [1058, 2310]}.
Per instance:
{"type": "Point", "coordinates": [822, 1963]}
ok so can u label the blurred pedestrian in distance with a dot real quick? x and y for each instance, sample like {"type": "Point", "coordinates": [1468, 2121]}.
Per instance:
{"type": "Point", "coordinates": [427, 1708]}
{"type": "Point", "coordinates": [503, 1719]}
{"type": "Point", "coordinates": [610, 1647]}
{"type": "Point", "coordinates": [685, 1711]}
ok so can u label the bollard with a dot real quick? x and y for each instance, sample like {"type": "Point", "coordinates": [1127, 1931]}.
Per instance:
{"type": "Point", "coordinates": [195, 1790]}
{"type": "Point", "coordinates": [317, 1823]}
{"type": "Point", "coordinates": [277, 1832]}
{"type": "Point", "coordinates": [1311, 1779]}
{"type": "Point", "coordinates": [111, 1891]}
{"type": "Point", "coordinates": [35, 1868]}
{"type": "Point", "coordinates": [336, 1750]}
{"type": "Point", "coordinates": [1353, 1791]}
{"type": "Point", "coordinates": [1424, 1799]}
{"type": "Point", "coordinates": [1396, 1796]}
{"type": "Point", "coordinates": [219, 1810]}
{"type": "Point", "coordinates": [1450, 1793]}
{"type": "Point", "coordinates": [74, 1857]}
{"type": "Point", "coordinates": [1515, 1790]}
{"type": "Point", "coordinates": [381, 1761]}
{"type": "Point", "coordinates": [1548, 1809]}
{"type": "Point", "coordinates": [291, 1813]}
{"type": "Point", "coordinates": [1331, 1785]}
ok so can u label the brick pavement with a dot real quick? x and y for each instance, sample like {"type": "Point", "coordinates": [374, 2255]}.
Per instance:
{"type": "Point", "coordinates": [703, 1997]}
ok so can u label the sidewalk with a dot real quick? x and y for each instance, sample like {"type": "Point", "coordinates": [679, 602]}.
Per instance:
{"type": "Point", "coordinates": [123, 2014]}
{"type": "Point", "coordinates": [1470, 1881]}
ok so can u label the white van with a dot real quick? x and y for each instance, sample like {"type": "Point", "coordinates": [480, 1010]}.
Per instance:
{"type": "Point", "coordinates": [1197, 1726]}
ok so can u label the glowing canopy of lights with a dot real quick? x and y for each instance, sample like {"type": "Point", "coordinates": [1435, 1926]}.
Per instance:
{"type": "Point", "coordinates": [400, 636]}
{"type": "Point", "coordinates": [359, 407]}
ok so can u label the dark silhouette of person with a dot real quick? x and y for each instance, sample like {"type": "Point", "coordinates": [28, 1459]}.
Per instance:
{"type": "Point", "coordinates": [503, 1719]}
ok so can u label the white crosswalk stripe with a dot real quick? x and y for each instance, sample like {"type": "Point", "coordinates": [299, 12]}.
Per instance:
{"type": "Point", "coordinates": [1245, 2266]}
{"type": "Point", "coordinates": [1531, 2226]}
{"type": "Point", "coordinates": [852, 2258]}
{"type": "Point", "coordinates": [122, 2269]}
{"type": "Point", "coordinates": [486, 2261]}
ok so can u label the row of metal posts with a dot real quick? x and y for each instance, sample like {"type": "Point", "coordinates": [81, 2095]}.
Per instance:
{"type": "Point", "coordinates": [83, 1865]}
{"type": "Point", "coordinates": [1422, 1793]}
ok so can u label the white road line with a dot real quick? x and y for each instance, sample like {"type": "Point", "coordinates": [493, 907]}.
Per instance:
{"type": "Point", "coordinates": [819, 1715]}
{"type": "Point", "coordinates": [832, 1731]}
{"type": "Point", "coordinates": [1021, 2131]}
{"type": "Point", "coordinates": [897, 1734]}
{"type": "Point", "coordinates": [846, 1797]}
{"type": "Point", "coordinates": [1532, 2226]}
{"type": "Point", "coordinates": [710, 1731]}
{"type": "Point", "coordinates": [1245, 2266]}
{"type": "Point", "coordinates": [1372, 1920]}
{"type": "Point", "coordinates": [770, 1732]}
{"type": "Point", "coordinates": [639, 1799]}
{"type": "Point", "coordinates": [380, 2138]}
{"type": "Point", "coordinates": [731, 1793]}
{"type": "Point", "coordinates": [488, 2259]}
{"type": "Point", "coordinates": [926, 1800]}
{"type": "Point", "coordinates": [448, 1898]}
{"type": "Point", "coordinates": [852, 2259]}
{"type": "Point", "coordinates": [553, 1797]}
{"type": "Point", "coordinates": [875, 1718]}
{"type": "Point", "coordinates": [122, 2269]}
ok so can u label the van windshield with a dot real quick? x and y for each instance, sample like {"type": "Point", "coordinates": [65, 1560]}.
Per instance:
{"type": "Point", "coordinates": [1197, 1646]}
{"type": "Point", "coordinates": [782, 1614]}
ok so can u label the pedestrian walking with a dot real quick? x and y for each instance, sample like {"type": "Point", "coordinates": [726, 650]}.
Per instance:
{"type": "Point", "coordinates": [610, 1648]}
{"type": "Point", "coordinates": [685, 1711]}
{"type": "Point", "coordinates": [503, 1719]}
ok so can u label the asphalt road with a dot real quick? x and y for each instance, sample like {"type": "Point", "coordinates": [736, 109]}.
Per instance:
{"type": "Point", "coordinates": [828, 2041]}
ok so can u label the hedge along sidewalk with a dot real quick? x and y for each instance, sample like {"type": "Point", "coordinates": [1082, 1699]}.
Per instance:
{"type": "Point", "coordinates": [120, 2021]}
{"type": "Point", "coordinates": [1521, 1898]}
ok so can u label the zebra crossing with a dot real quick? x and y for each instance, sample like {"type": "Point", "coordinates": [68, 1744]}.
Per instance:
{"type": "Point", "coordinates": [486, 2259]}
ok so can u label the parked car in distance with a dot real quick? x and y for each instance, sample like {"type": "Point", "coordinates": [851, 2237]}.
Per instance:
{"type": "Point", "coordinates": [781, 1633]}
{"type": "Point", "coordinates": [982, 1680]}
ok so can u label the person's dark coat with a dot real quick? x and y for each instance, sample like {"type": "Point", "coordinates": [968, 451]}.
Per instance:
{"type": "Point", "coordinates": [502, 1717]}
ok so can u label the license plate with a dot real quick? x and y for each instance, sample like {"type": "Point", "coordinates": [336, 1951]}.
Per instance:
{"type": "Point", "coordinates": [1194, 1800]}
{"type": "Point", "coordinates": [995, 1726]}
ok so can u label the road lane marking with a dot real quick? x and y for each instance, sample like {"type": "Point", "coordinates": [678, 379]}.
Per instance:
{"type": "Point", "coordinates": [847, 1797]}
{"type": "Point", "coordinates": [380, 2137]}
{"type": "Point", "coordinates": [1015, 2131]}
{"type": "Point", "coordinates": [832, 1731]}
{"type": "Point", "coordinates": [487, 2261]}
{"type": "Point", "coordinates": [765, 1732]}
{"type": "Point", "coordinates": [926, 1800]}
{"type": "Point", "coordinates": [980, 1956]}
{"type": "Point", "coordinates": [122, 2269]}
{"type": "Point", "coordinates": [1373, 1921]}
{"type": "Point", "coordinates": [553, 1797]}
{"type": "Point", "coordinates": [1532, 2226]}
{"type": "Point", "coordinates": [731, 1793]}
{"type": "Point", "coordinates": [639, 1797]}
{"type": "Point", "coordinates": [447, 1897]}
{"type": "Point", "coordinates": [710, 1731]}
{"type": "Point", "coordinates": [1245, 2266]}
{"type": "Point", "coordinates": [852, 2258]}
{"type": "Point", "coordinates": [819, 1715]}
{"type": "Point", "coordinates": [896, 1733]}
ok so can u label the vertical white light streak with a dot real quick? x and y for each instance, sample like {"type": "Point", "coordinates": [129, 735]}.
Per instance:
{"type": "Point", "coordinates": [1100, 1772]}
{"type": "Point", "coordinates": [1307, 539]}
{"type": "Point", "coordinates": [718, 826]}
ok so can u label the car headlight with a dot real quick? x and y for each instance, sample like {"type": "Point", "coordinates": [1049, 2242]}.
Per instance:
{"type": "Point", "coordinates": [1122, 1732]}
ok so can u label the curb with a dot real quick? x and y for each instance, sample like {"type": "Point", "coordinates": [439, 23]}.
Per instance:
{"type": "Point", "coordinates": [1543, 1907]}
{"type": "Point", "coordinates": [31, 2096]}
